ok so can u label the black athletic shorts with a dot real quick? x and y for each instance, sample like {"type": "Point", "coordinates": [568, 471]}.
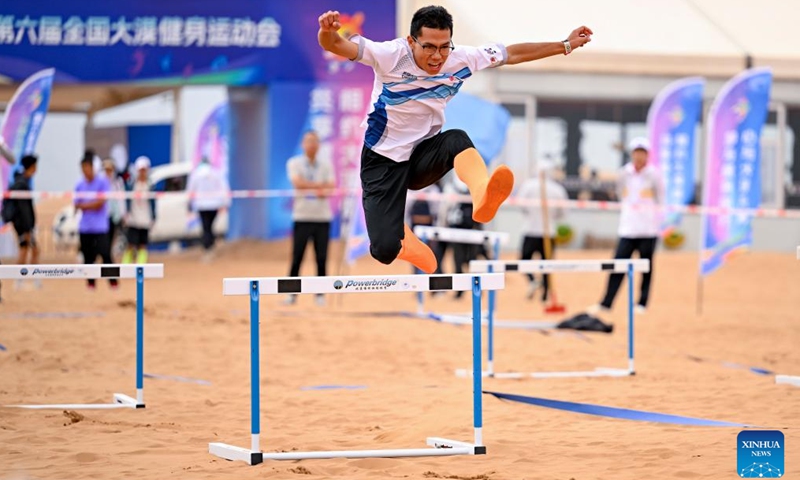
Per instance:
{"type": "Point", "coordinates": [137, 236]}
{"type": "Point", "coordinates": [385, 183]}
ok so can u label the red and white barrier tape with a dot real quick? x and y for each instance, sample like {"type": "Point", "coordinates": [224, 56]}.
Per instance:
{"type": "Point", "coordinates": [450, 198]}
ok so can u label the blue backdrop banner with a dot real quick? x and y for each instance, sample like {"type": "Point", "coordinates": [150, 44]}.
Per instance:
{"type": "Point", "coordinates": [234, 42]}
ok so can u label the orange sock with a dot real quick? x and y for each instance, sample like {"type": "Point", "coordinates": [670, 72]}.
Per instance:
{"type": "Point", "coordinates": [488, 193]}
{"type": "Point", "coordinates": [415, 252]}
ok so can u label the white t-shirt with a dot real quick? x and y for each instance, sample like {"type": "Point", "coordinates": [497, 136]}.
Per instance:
{"type": "Point", "coordinates": [141, 214]}
{"type": "Point", "coordinates": [534, 223]}
{"type": "Point", "coordinates": [407, 103]}
{"type": "Point", "coordinates": [308, 207]}
{"type": "Point", "coordinates": [639, 192]}
{"type": "Point", "coordinates": [209, 188]}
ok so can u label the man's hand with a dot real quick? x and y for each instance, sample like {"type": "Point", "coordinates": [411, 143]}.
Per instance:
{"type": "Point", "coordinates": [329, 38]}
{"type": "Point", "coordinates": [329, 21]}
{"type": "Point", "coordinates": [580, 37]}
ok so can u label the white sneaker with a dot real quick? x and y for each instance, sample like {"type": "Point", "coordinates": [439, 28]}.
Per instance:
{"type": "Point", "coordinates": [597, 308]}
{"type": "Point", "coordinates": [640, 309]}
{"type": "Point", "coordinates": [533, 285]}
{"type": "Point", "coordinates": [290, 300]}
{"type": "Point", "coordinates": [320, 300]}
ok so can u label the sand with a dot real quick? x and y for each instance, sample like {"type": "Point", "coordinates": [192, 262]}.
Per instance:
{"type": "Point", "coordinates": [65, 344]}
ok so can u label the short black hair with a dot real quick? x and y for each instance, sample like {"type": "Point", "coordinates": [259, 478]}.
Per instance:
{"type": "Point", "coordinates": [432, 16]}
{"type": "Point", "coordinates": [28, 161]}
{"type": "Point", "coordinates": [88, 155]}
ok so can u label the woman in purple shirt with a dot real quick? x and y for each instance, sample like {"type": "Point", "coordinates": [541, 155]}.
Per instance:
{"type": "Point", "coordinates": [93, 228]}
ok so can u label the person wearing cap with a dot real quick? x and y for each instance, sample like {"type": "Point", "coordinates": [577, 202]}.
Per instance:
{"type": "Point", "coordinates": [116, 205]}
{"type": "Point", "coordinates": [141, 213]}
{"type": "Point", "coordinates": [533, 223]}
{"type": "Point", "coordinates": [93, 226]}
{"type": "Point", "coordinates": [640, 189]}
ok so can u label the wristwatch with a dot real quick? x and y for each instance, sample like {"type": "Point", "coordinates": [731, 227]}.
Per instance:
{"type": "Point", "coordinates": [567, 47]}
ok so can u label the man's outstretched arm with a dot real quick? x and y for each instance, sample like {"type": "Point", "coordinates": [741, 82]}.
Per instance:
{"type": "Point", "coordinates": [329, 38]}
{"type": "Point", "coordinates": [527, 52]}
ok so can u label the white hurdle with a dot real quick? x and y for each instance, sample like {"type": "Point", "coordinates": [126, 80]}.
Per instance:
{"type": "Point", "coordinates": [472, 237]}
{"type": "Point", "coordinates": [562, 266]}
{"type": "Point", "coordinates": [255, 287]}
{"type": "Point", "coordinates": [469, 237]}
{"type": "Point", "coordinates": [85, 272]}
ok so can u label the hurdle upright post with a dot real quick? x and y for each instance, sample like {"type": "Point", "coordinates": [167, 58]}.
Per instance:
{"type": "Point", "coordinates": [630, 319]}
{"type": "Point", "coordinates": [140, 335]}
{"type": "Point", "coordinates": [420, 295]}
{"type": "Point", "coordinates": [255, 376]}
{"type": "Point", "coordinates": [477, 361]}
{"type": "Point", "coordinates": [491, 308]}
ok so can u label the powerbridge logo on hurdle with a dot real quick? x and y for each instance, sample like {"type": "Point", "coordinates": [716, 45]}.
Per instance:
{"type": "Point", "coordinates": [760, 454]}
{"type": "Point", "coordinates": [48, 272]}
{"type": "Point", "coordinates": [363, 285]}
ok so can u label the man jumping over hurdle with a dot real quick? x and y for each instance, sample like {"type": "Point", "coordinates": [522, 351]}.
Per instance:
{"type": "Point", "coordinates": [404, 147]}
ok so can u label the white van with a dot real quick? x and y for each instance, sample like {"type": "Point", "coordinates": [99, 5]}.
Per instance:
{"type": "Point", "coordinates": [174, 221]}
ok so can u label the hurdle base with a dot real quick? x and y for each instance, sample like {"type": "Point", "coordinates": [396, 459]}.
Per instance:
{"type": "Point", "coordinates": [233, 453]}
{"type": "Point", "coordinates": [793, 380]}
{"type": "Point", "coordinates": [120, 401]}
{"type": "Point", "coordinates": [127, 401]}
{"type": "Point", "coordinates": [598, 372]}
{"type": "Point", "coordinates": [442, 447]}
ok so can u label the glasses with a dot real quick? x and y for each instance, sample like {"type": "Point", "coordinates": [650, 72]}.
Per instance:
{"type": "Point", "coordinates": [429, 49]}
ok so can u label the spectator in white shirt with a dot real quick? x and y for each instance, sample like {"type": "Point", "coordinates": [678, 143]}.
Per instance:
{"type": "Point", "coordinates": [209, 192]}
{"type": "Point", "coordinates": [311, 177]}
{"type": "Point", "coordinates": [116, 206]}
{"type": "Point", "coordinates": [640, 189]}
{"type": "Point", "coordinates": [141, 213]}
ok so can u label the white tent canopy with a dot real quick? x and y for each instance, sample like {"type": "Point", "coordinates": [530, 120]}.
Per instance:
{"type": "Point", "coordinates": [655, 37]}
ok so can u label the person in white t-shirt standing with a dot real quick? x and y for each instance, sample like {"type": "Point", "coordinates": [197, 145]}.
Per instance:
{"type": "Point", "coordinates": [117, 207]}
{"type": "Point", "coordinates": [640, 188]}
{"type": "Point", "coordinates": [404, 147]}
{"type": "Point", "coordinates": [533, 226]}
{"type": "Point", "coordinates": [209, 192]}
{"type": "Point", "coordinates": [141, 213]}
{"type": "Point", "coordinates": [311, 177]}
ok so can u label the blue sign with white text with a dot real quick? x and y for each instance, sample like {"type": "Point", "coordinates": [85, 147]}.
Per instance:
{"type": "Point", "coordinates": [234, 42]}
{"type": "Point", "coordinates": [760, 454]}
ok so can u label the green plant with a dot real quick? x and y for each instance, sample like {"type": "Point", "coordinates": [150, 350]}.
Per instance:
{"type": "Point", "coordinates": [674, 239]}
{"type": "Point", "coordinates": [563, 234]}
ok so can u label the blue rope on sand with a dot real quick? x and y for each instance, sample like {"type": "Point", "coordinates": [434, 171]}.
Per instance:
{"type": "Point", "coordinates": [613, 412]}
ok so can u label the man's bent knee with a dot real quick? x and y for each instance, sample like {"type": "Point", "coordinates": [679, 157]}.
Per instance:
{"type": "Point", "coordinates": [385, 252]}
{"type": "Point", "coordinates": [458, 140]}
